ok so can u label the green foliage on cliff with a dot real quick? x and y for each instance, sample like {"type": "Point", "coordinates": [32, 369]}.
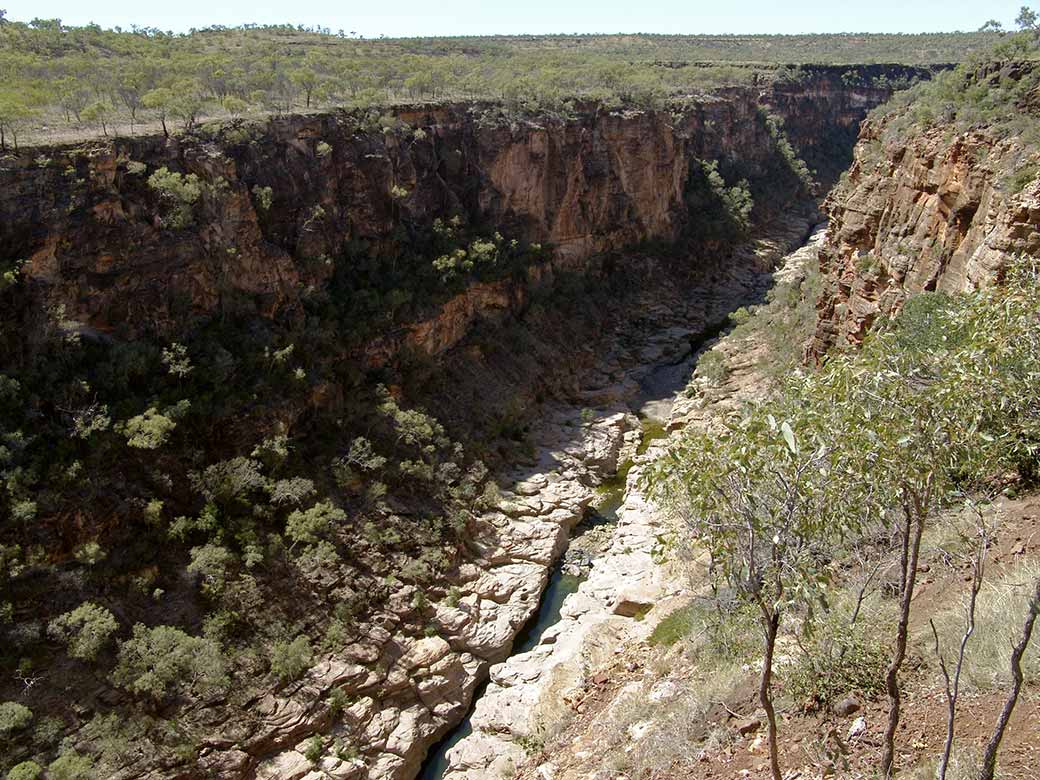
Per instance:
{"type": "Point", "coordinates": [85, 630]}
{"type": "Point", "coordinates": [178, 193]}
{"type": "Point", "coordinates": [13, 717]}
{"type": "Point", "coordinates": [27, 770]}
{"type": "Point", "coordinates": [163, 661]}
{"type": "Point", "coordinates": [181, 514]}
{"type": "Point", "coordinates": [718, 211]}
{"type": "Point", "coordinates": [995, 88]}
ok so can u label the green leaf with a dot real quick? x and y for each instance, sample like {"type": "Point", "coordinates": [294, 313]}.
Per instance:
{"type": "Point", "coordinates": [792, 445]}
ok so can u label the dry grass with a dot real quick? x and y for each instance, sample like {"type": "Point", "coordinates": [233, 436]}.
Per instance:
{"type": "Point", "coordinates": [999, 616]}
{"type": "Point", "coordinates": [964, 765]}
{"type": "Point", "coordinates": [664, 739]}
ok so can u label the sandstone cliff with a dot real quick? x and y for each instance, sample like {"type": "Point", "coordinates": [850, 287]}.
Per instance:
{"type": "Point", "coordinates": [941, 207]}
{"type": "Point", "coordinates": [92, 234]}
{"type": "Point", "coordinates": [286, 230]}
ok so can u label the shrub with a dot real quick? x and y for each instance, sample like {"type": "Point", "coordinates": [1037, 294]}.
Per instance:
{"type": "Point", "coordinates": [338, 701]}
{"type": "Point", "coordinates": [147, 431]}
{"type": "Point", "coordinates": [264, 197]}
{"type": "Point", "coordinates": [177, 361]}
{"type": "Point", "coordinates": [90, 554]}
{"type": "Point", "coordinates": [1020, 178]}
{"type": "Point", "coordinates": [292, 491]}
{"type": "Point", "coordinates": [230, 481]}
{"type": "Point", "coordinates": [740, 316]}
{"type": "Point", "coordinates": [453, 596]}
{"type": "Point", "coordinates": [13, 717]}
{"type": "Point", "coordinates": [345, 751]}
{"type": "Point", "coordinates": [712, 366]}
{"type": "Point", "coordinates": [27, 770]}
{"type": "Point", "coordinates": [791, 160]}
{"type": "Point", "coordinates": [310, 525]}
{"type": "Point", "coordinates": [839, 659]}
{"type": "Point", "coordinates": [314, 749]}
{"type": "Point", "coordinates": [85, 630]}
{"type": "Point", "coordinates": [71, 765]}
{"type": "Point", "coordinates": [178, 195]}
{"type": "Point", "coordinates": [289, 660]}
{"type": "Point", "coordinates": [717, 211]}
{"type": "Point", "coordinates": [211, 562]}
{"type": "Point", "coordinates": [161, 661]}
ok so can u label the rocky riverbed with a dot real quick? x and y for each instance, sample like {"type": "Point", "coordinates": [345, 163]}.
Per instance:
{"type": "Point", "coordinates": [629, 587]}
{"type": "Point", "coordinates": [405, 694]}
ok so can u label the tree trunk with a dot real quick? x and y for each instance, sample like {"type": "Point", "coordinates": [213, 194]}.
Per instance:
{"type": "Point", "coordinates": [770, 627]}
{"type": "Point", "coordinates": [165, 132]}
{"type": "Point", "coordinates": [912, 531]}
{"type": "Point", "coordinates": [953, 687]}
{"type": "Point", "coordinates": [989, 757]}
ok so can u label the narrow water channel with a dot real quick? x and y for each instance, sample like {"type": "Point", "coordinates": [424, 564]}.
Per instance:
{"type": "Point", "coordinates": [658, 390]}
{"type": "Point", "coordinates": [561, 585]}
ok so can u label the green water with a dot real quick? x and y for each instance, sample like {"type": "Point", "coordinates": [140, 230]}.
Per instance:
{"type": "Point", "coordinates": [612, 491]}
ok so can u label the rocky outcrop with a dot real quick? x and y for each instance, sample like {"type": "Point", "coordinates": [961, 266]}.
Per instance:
{"type": "Point", "coordinates": [554, 711]}
{"type": "Point", "coordinates": [262, 226]}
{"type": "Point", "coordinates": [532, 693]}
{"type": "Point", "coordinates": [406, 693]}
{"type": "Point", "coordinates": [822, 107]}
{"type": "Point", "coordinates": [922, 209]}
{"type": "Point", "coordinates": [403, 692]}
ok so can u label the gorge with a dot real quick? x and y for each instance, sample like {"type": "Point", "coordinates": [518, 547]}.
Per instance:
{"type": "Point", "coordinates": [420, 340]}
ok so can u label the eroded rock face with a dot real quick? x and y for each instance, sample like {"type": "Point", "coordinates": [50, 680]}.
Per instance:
{"type": "Point", "coordinates": [91, 229]}
{"type": "Point", "coordinates": [404, 692]}
{"type": "Point", "coordinates": [932, 210]}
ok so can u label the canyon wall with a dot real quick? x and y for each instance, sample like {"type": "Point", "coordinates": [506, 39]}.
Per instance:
{"type": "Point", "coordinates": [93, 236]}
{"type": "Point", "coordinates": [924, 208]}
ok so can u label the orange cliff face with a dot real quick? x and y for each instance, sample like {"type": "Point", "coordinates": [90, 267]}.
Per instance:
{"type": "Point", "coordinates": [921, 209]}
{"type": "Point", "coordinates": [91, 231]}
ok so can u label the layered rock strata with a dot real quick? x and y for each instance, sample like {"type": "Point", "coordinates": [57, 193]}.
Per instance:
{"type": "Point", "coordinates": [935, 209]}
{"type": "Point", "coordinates": [280, 201]}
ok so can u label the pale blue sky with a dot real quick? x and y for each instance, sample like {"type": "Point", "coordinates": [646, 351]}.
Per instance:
{"type": "Point", "coordinates": [482, 17]}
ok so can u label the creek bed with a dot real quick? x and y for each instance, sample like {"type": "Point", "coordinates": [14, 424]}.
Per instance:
{"type": "Point", "coordinates": [562, 583]}
{"type": "Point", "coordinates": [567, 574]}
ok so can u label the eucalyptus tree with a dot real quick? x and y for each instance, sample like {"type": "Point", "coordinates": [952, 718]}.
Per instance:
{"type": "Point", "coordinates": [929, 409]}
{"type": "Point", "coordinates": [159, 100]}
{"type": "Point", "coordinates": [132, 84]}
{"type": "Point", "coordinates": [15, 113]}
{"type": "Point", "coordinates": [760, 498]}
